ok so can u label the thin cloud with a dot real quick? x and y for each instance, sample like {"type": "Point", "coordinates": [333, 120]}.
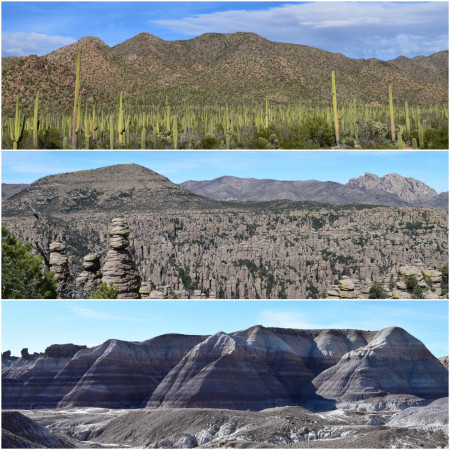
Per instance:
{"type": "Point", "coordinates": [89, 313]}
{"type": "Point", "coordinates": [358, 29]}
{"type": "Point", "coordinates": [22, 44]}
{"type": "Point", "coordinates": [285, 318]}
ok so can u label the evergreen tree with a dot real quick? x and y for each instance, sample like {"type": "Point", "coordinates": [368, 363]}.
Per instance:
{"type": "Point", "coordinates": [22, 272]}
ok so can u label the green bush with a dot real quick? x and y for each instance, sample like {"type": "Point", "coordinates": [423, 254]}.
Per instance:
{"type": "Point", "coordinates": [105, 292]}
{"type": "Point", "coordinates": [22, 272]}
{"type": "Point", "coordinates": [377, 290]}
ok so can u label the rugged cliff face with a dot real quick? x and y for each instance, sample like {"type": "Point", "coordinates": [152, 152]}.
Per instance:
{"type": "Point", "coordinates": [252, 369]}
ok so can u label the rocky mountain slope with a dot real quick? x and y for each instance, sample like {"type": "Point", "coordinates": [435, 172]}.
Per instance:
{"type": "Point", "coordinates": [390, 190]}
{"type": "Point", "coordinates": [125, 187]}
{"type": "Point", "coordinates": [217, 67]}
{"type": "Point", "coordinates": [251, 369]}
{"type": "Point", "coordinates": [122, 187]}
{"type": "Point", "coordinates": [9, 189]}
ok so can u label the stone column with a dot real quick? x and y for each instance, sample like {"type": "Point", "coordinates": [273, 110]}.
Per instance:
{"type": "Point", "coordinates": [118, 268]}
{"type": "Point", "coordinates": [91, 276]}
{"type": "Point", "coordinates": [59, 265]}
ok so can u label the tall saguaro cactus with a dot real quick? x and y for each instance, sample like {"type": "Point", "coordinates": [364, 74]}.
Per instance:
{"type": "Point", "coordinates": [335, 110]}
{"type": "Point", "coordinates": [120, 123]}
{"type": "Point", "coordinates": [36, 121]}
{"type": "Point", "coordinates": [19, 123]}
{"type": "Point", "coordinates": [75, 128]}
{"type": "Point", "coordinates": [391, 114]}
{"type": "Point", "coordinates": [111, 132]}
{"type": "Point", "coordinates": [175, 132]}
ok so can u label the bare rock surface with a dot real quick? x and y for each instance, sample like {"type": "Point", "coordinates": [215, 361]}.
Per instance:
{"type": "Point", "coordinates": [118, 268]}
{"type": "Point", "coordinates": [444, 361]}
{"type": "Point", "coordinates": [59, 264]}
{"type": "Point", "coordinates": [90, 277]}
{"type": "Point", "coordinates": [407, 189]}
{"type": "Point", "coordinates": [435, 414]}
{"type": "Point", "coordinates": [394, 362]}
{"type": "Point", "coordinates": [19, 431]}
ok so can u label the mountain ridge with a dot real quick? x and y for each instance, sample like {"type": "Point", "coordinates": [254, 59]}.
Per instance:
{"type": "Point", "coordinates": [218, 67]}
{"type": "Point", "coordinates": [127, 181]}
{"type": "Point", "coordinates": [389, 190]}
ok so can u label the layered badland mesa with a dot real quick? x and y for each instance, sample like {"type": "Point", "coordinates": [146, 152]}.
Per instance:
{"type": "Point", "coordinates": [183, 243]}
{"type": "Point", "coordinates": [252, 369]}
{"type": "Point", "coordinates": [214, 67]}
{"type": "Point", "coordinates": [205, 387]}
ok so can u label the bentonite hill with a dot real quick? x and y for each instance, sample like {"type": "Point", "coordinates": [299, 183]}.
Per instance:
{"type": "Point", "coordinates": [309, 239]}
{"type": "Point", "coordinates": [234, 90]}
{"type": "Point", "coordinates": [265, 387]}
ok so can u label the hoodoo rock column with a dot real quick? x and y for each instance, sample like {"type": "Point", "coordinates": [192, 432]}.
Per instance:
{"type": "Point", "coordinates": [118, 268]}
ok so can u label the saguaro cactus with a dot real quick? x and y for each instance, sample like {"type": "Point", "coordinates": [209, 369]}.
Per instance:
{"type": "Point", "coordinates": [335, 110]}
{"type": "Point", "coordinates": [75, 127]}
{"type": "Point", "coordinates": [36, 121]}
{"type": "Point", "coordinates": [120, 125]}
{"type": "Point", "coordinates": [19, 123]}
{"type": "Point", "coordinates": [175, 132]}
{"type": "Point", "coordinates": [267, 113]}
{"type": "Point", "coordinates": [111, 132]}
{"type": "Point", "coordinates": [408, 125]}
{"type": "Point", "coordinates": [391, 113]}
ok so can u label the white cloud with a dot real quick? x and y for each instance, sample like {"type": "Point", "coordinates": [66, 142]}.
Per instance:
{"type": "Point", "coordinates": [358, 29]}
{"type": "Point", "coordinates": [23, 44]}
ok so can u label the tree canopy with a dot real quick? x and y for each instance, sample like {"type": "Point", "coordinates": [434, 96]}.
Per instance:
{"type": "Point", "coordinates": [23, 274]}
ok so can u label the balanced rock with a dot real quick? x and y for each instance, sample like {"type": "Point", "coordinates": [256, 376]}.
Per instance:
{"type": "Point", "coordinates": [91, 275]}
{"type": "Point", "coordinates": [118, 268]}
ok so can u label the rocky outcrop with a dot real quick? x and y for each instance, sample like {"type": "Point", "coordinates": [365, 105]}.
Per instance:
{"type": "Point", "coordinates": [90, 277]}
{"type": "Point", "coordinates": [407, 189]}
{"type": "Point", "coordinates": [19, 431]}
{"type": "Point", "coordinates": [63, 351]}
{"type": "Point", "coordinates": [394, 362]}
{"type": "Point", "coordinates": [118, 268]}
{"type": "Point", "coordinates": [408, 281]}
{"type": "Point", "coordinates": [444, 361]}
{"type": "Point", "coordinates": [433, 415]}
{"type": "Point", "coordinates": [59, 265]}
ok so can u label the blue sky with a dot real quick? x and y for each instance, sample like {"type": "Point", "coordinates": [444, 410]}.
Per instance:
{"type": "Point", "coordinates": [383, 30]}
{"type": "Point", "coordinates": [179, 166]}
{"type": "Point", "coordinates": [38, 324]}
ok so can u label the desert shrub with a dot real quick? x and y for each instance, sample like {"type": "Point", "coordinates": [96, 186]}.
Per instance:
{"type": "Point", "coordinates": [377, 290]}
